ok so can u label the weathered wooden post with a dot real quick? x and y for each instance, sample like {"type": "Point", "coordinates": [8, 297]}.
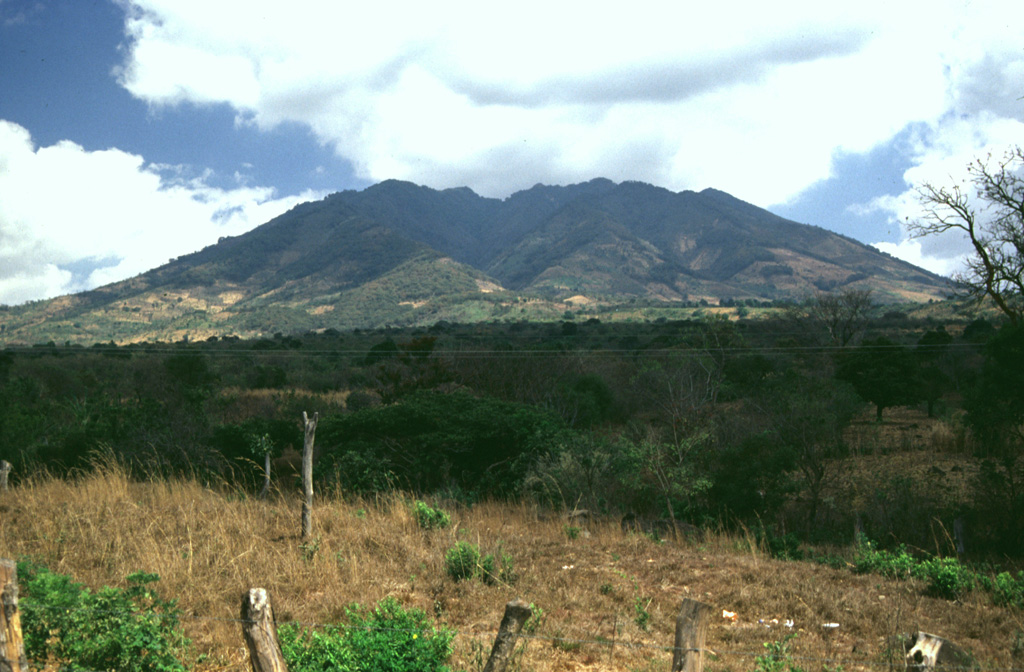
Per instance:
{"type": "Point", "coordinates": [260, 631]}
{"type": "Point", "coordinates": [5, 468]}
{"type": "Point", "coordinates": [307, 473]}
{"type": "Point", "coordinates": [517, 613]}
{"type": "Point", "coordinates": [691, 632]}
{"type": "Point", "coordinates": [12, 647]}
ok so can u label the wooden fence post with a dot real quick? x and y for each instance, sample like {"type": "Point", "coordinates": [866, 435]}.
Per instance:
{"type": "Point", "coordinates": [307, 473]}
{"type": "Point", "coordinates": [260, 631]}
{"type": "Point", "coordinates": [12, 646]}
{"type": "Point", "coordinates": [691, 632]}
{"type": "Point", "coordinates": [5, 468]}
{"type": "Point", "coordinates": [517, 613]}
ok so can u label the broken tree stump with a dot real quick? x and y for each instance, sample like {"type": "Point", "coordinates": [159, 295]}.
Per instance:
{"type": "Point", "coordinates": [517, 613]}
{"type": "Point", "coordinates": [260, 631]}
{"type": "Point", "coordinates": [12, 646]}
{"type": "Point", "coordinates": [691, 633]}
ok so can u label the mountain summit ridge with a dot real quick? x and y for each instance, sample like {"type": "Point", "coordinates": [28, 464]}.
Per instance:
{"type": "Point", "coordinates": [401, 253]}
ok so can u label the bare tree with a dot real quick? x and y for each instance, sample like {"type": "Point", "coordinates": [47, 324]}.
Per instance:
{"type": "Point", "coordinates": [991, 214]}
{"type": "Point", "coordinates": [844, 315]}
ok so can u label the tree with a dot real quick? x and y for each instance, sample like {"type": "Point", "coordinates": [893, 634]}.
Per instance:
{"type": "Point", "coordinates": [806, 414]}
{"type": "Point", "coordinates": [883, 373]}
{"type": "Point", "coordinates": [671, 471]}
{"type": "Point", "coordinates": [844, 315]}
{"type": "Point", "coordinates": [991, 214]}
{"type": "Point", "coordinates": [995, 413]}
{"type": "Point", "coordinates": [934, 363]}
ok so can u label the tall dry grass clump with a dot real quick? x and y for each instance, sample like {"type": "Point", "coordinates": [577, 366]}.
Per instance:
{"type": "Point", "coordinates": [604, 599]}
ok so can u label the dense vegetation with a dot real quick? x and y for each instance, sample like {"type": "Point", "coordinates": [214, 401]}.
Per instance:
{"type": "Point", "coordinates": [702, 422]}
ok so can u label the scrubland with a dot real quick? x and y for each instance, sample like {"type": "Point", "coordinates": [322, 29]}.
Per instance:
{"type": "Point", "coordinates": [604, 599]}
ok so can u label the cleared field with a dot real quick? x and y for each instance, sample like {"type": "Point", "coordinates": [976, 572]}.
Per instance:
{"type": "Point", "coordinates": [210, 544]}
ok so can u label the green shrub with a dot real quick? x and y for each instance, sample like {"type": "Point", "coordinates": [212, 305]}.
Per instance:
{"type": "Point", "coordinates": [388, 638]}
{"type": "Point", "coordinates": [871, 560]}
{"type": "Point", "coordinates": [430, 518]}
{"type": "Point", "coordinates": [120, 630]}
{"type": "Point", "coordinates": [464, 561]}
{"type": "Point", "coordinates": [497, 567]}
{"type": "Point", "coordinates": [1007, 590]}
{"type": "Point", "coordinates": [947, 578]}
{"type": "Point", "coordinates": [461, 560]}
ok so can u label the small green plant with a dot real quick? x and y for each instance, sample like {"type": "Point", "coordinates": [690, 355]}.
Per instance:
{"type": "Point", "coordinates": [777, 657]}
{"type": "Point", "coordinates": [124, 630]}
{"type": "Point", "coordinates": [571, 531]}
{"type": "Point", "coordinates": [387, 638]}
{"type": "Point", "coordinates": [641, 615]}
{"type": "Point", "coordinates": [309, 549]}
{"type": "Point", "coordinates": [536, 619]}
{"type": "Point", "coordinates": [563, 643]}
{"type": "Point", "coordinates": [461, 560]}
{"type": "Point", "coordinates": [641, 603]}
{"type": "Point", "coordinates": [430, 518]}
{"type": "Point", "coordinates": [464, 561]}
{"type": "Point", "coordinates": [606, 589]}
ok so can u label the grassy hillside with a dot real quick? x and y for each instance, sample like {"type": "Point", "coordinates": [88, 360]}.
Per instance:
{"type": "Point", "coordinates": [608, 599]}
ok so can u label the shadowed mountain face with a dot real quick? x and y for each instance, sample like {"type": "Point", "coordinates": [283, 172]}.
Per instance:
{"type": "Point", "coordinates": [397, 253]}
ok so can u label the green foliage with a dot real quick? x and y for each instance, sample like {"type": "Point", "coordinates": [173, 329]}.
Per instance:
{"type": "Point", "coordinates": [536, 620]}
{"type": "Point", "coordinates": [430, 440]}
{"type": "Point", "coordinates": [465, 561]}
{"type": "Point", "coordinates": [120, 630]}
{"type": "Point", "coordinates": [946, 578]}
{"type": "Point", "coordinates": [882, 372]}
{"type": "Point", "coordinates": [781, 546]}
{"type": "Point", "coordinates": [1007, 590]}
{"type": "Point", "coordinates": [309, 549]}
{"type": "Point", "coordinates": [641, 613]}
{"type": "Point", "coordinates": [498, 566]}
{"type": "Point", "coordinates": [462, 561]}
{"type": "Point", "coordinates": [672, 474]}
{"type": "Point", "coordinates": [430, 518]}
{"type": "Point", "coordinates": [777, 657]}
{"type": "Point", "coordinates": [571, 531]}
{"type": "Point", "coordinates": [388, 638]}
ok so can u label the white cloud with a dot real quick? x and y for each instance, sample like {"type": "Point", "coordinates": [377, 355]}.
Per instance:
{"type": "Point", "coordinates": [912, 250]}
{"type": "Point", "coordinates": [63, 208]}
{"type": "Point", "coordinates": [942, 157]}
{"type": "Point", "coordinates": [752, 98]}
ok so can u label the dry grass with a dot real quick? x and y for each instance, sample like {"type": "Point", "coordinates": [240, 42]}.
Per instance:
{"type": "Point", "coordinates": [209, 546]}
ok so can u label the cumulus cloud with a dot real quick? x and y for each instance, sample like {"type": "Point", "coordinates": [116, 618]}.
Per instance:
{"type": "Point", "coordinates": [72, 219]}
{"type": "Point", "coordinates": [943, 152]}
{"type": "Point", "coordinates": [752, 98]}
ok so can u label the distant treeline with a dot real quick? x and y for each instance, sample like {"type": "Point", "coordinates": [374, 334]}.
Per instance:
{"type": "Point", "coordinates": [704, 421]}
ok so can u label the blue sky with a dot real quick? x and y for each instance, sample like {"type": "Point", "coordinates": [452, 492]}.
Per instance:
{"type": "Point", "coordinates": [134, 131]}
